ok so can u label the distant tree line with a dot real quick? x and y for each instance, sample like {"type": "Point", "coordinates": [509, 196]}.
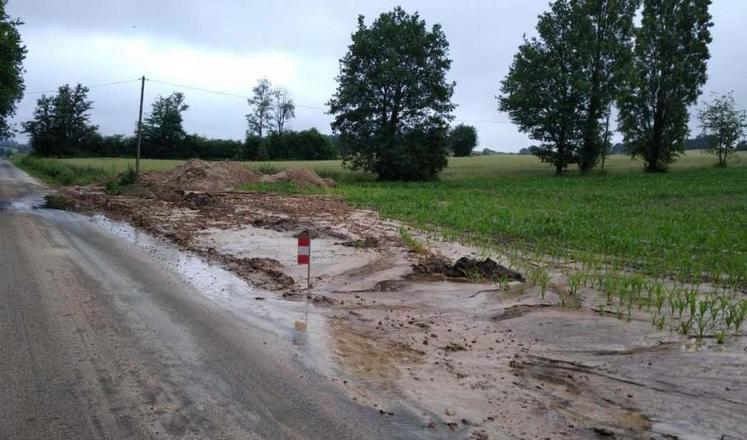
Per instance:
{"type": "Point", "coordinates": [61, 127]}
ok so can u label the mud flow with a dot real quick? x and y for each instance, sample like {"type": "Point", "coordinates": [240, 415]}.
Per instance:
{"type": "Point", "coordinates": [473, 343]}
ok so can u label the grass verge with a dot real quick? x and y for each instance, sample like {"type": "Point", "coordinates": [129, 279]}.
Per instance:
{"type": "Point", "coordinates": [55, 172]}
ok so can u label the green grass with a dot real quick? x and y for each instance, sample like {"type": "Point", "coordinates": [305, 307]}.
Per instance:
{"type": "Point", "coordinates": [459, 168]}
{"type": "Point", "coordinates": [59, 173]}
{"type": "Point", "coordinates": [691, 222]}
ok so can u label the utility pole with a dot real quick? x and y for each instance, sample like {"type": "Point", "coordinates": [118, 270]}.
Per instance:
{"type": "Point", "coordinates": [140, 126]}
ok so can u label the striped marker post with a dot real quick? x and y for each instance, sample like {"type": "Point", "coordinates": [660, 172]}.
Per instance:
{"type": "Point", "coordinates": [304, 254]}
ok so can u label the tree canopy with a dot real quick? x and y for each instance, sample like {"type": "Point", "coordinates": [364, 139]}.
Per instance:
{"type": "Point", "coordinates": [604, 37]}
{"type": "Point", "coordinates": [541, 92]}
{"type": "Point", "coordinates": [393, 103]}
{"type": "Point", "coordinates": [724, 125]}
{"type": "Point", "coordinates": [271, 109]}
{"type": "Point", "coordinates": [61, 124]}
{"type": "Point", "coordinates": [462, 140]}
{"type": "Point", "coordinates": [12, 54]}
{"type": "Point", "coordinates": [162, 128]}
{"type": "Point", "coordinates": [260, 118]}
{"type": "Point", "coordinates": [669, 69]}
{"type": "Point", "coordinates": [562, 83]}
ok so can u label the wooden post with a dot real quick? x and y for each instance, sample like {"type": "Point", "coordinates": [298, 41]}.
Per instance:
{"type": "Point", "coordinates": [140, 126]}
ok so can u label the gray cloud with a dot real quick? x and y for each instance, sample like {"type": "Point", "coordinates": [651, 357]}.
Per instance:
{"type": "Point", "coordinates": [227, 45]}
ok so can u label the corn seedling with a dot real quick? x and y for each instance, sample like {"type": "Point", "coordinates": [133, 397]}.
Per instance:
{"type": "Point", "coordinates": [701, 318]}
{"type": "Point", "coordinates": [739, 313]}
{"type": "Point", "coordinates": [685, 325]}
{"type": "Point", "coordinates": [542, 278]}
{"type": "Point", "coordinates": [660, 322]}
{"type": "Point", "coordinates": [503, 283]}
{"type": "Point", "coordinates": [720, 337]}
{"type": "Point", "coordinates": [575, 280]}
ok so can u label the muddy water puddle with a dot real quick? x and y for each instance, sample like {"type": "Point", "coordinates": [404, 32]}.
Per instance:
{"type": "Point", "coordinates": [299, 321]}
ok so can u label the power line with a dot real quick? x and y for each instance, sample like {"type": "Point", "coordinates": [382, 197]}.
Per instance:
{"type": "Point", "coordinates": [231, 95]}
{"type": "Point", "coordinates": [217, 92]}
{"type": "Point", "coordinates": [95, 86]}
{"type": "Point", "coordinates": [477, 121]}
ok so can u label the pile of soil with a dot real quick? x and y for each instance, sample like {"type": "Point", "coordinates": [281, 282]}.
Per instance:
{"type": "Point", "coordinates": [302, 177]}
{"type": "Point", "coordinates": [200, 176]}
{"type": "Point", "coordinates": [467, 268]}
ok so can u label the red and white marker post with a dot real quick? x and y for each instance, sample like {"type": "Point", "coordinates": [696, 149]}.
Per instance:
{"type": "Point", "coordinates": [304, 254]}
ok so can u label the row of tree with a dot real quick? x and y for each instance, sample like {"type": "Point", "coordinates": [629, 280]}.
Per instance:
{"type": "Point", "coordinates": [590, 56]}
{"type": "Point", "coordinates": [61, 127]}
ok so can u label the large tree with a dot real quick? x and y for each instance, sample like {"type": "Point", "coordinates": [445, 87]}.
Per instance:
{"type": "Point", "coordinates": [462, 140]}
{"type": "Point", "coordinates": [545, 91]}
{"type": "Point", "coordinates": [61, 124]}
{"type": "Point", "coordinates": [12, 54]}
{"type": "Point", "coordinates": [393, 100]}
{"type": "Point", "coordinates": [671, 52]}
{"type": "Point", "coordinates": [724, 125]}
{"type": "Point", "coordinates": [162, 129]}
{"type": "Point", "coordinates": [603, 34]}
{"type": "Point", "coordinates": [261, 119]}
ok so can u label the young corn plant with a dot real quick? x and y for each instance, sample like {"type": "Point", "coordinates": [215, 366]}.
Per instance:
{"type": "Point", "coordinates": [660, 322]}
{"type": "Point", "coordinates": [503, 283]}
{"type": "Point", "coordinates": [701, 317]}
{"type": "Point", "coordinates": [739, 313]}
{"type": "Point", "coordinates": [575, 281]}
{"type": "Point", "coordinates": [685, 325]}
{"type": "Point", "coordinates": [673, 294]}
{"type": "Point", "coordinates": [720, 337]}
{"type": "Point", "coordinates": [659, 298]}
{"type": "Point", "coordinates": [542, 279]}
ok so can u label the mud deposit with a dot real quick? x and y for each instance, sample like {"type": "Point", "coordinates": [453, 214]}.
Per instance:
{"type": "Point", "coordinates": [481, 359]}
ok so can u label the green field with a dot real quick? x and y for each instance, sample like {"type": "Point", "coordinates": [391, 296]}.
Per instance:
{"type": "Point", "coordinates": [691, 221]}
{"type": "Point", "coordinates": [459, 168]}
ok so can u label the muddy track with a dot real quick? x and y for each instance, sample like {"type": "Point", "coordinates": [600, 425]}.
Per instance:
{"type": "Point", "coordinates": [99, 341]}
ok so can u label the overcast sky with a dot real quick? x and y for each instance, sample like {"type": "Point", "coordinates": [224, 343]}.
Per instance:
{"type": "Point", "coordinates": [226, 45]}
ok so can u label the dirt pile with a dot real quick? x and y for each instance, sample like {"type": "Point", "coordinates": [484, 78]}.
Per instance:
{"type": "Point", "coordinates": [467, 268]}
{"type": "Point", "coordinates": [201, 176]}
{"type": "Point", "coordinates": [302, 177]}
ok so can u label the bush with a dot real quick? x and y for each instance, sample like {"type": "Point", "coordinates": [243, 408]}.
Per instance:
{"type": "Point", "coordinates": [418, 155]}
{"type": "Point", "coordinates": [462, 140]}
{"type": "Point", "coordinates": [290, 145]}
{"type": "Point", "coordinates": [299, 145]}
{"type": "Point", "coordinates": [253, 149]}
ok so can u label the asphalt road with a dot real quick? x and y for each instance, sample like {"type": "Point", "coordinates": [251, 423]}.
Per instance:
{"type": "Point", "coordinates": [100, 341]}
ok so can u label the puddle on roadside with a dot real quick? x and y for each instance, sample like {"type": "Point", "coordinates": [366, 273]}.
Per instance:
{"type": "Point", "coordinates": [256, 307]}
{"type": "Point", "coordinates": [24, 204]}
{"type": "Point", "coordinates": [51, 201]}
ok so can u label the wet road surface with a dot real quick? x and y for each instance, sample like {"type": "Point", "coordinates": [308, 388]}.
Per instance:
{"type": "Point", "coordinates": [100, 340]}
